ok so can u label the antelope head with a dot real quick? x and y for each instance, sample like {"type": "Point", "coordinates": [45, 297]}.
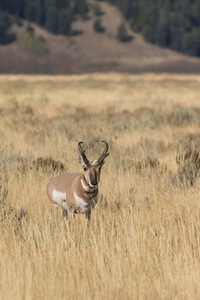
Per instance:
{"type": "Point", "coordinates": [92, 168]}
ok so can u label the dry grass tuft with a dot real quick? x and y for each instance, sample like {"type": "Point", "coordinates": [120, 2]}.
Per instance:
{"type": "Point", "coordinates": [188, 166]}
{"type": "Point", "coordinates": [48, 165]}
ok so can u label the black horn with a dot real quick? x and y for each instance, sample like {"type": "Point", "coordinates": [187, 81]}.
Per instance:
{"type": "Point", "coordinates": [86, 161]}
{"type": "Point", "coordinates": [104, 154]}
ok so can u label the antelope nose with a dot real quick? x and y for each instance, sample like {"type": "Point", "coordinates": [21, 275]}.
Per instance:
{"type": "Point", "coordinates": [94, 182]}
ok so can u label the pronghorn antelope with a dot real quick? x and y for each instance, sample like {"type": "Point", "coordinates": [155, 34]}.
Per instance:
{"type": "Point", "coordinates": [78, 192]}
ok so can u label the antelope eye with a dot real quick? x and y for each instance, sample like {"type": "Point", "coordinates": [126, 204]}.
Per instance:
{"type": "Point", "coordinates": [84, 169]}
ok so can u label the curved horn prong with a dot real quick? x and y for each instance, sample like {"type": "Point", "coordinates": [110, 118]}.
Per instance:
{"type": "Point", "coordinates": [106, 148]}
{"type": "Point", "coordinates": [82, 153]}
{"type": "Point", "coordinates": [104, 154]}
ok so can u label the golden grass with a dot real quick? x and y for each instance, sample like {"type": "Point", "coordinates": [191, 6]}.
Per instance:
{"type": "Point", "coordinates": [143, 242]}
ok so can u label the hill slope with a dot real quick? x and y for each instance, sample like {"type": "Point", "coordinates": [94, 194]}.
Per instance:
{"type": "Point", "coordinates": [87, 51]}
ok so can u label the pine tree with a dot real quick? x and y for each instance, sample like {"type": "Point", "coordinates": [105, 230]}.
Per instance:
{"type": "Point", "coordinates": [31, 11]}
{"type": "Point", "coordinates": [80, 8]}
{"type": "Point", "coordinates": [4, 24]}
{"type": "Point", "coordinates": [149, 34]}
{"type": "Point", "coordinates": [191, 43]}
{"type": "Point", "coordinates": [52, 19]}
{"type": "Point", "coordinates": [64, 21]}
{"type": "Point", "coordinates": [122, 33]}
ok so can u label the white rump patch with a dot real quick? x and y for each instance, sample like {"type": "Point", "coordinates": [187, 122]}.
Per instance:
{"type": "Point", "coordinates": [60, 199]}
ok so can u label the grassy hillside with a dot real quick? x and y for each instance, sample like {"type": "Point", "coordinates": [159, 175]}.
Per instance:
{"type": "Point", "coordinates": [173, 24]}
{"type": "Point", "coordinates": [87, 51]}
{"type": "Point", "coordinates": [143, 241]}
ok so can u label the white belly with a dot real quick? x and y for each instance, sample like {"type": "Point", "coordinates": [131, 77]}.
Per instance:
{"type": "Point", "coordinates": [60, 199]}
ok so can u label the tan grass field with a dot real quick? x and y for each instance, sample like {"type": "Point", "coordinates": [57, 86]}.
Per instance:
{"type": "Point", "coordinates": [144, 238]}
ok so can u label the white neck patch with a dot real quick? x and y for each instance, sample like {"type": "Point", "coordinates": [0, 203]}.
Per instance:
{"type": "Point", "coordinates": [85, 205]}
{"type": "Point", "coordinates": [85, 187]}
{"type": "Point", "coordinates": [92, 186]}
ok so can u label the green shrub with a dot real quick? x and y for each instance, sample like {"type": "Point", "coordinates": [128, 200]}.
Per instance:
{"type": "Point", "coordinates": [98, 26]}
{"type": "Point", "coordinates": [29, 28]}
{"type": "Point", "coordinates": [122, 33]}
{"type": "Point", "coordinates": [48, 165]}
{"type": "Point", "coordinates": [183, 117]}
{"type": "Point", "coordinates": [33, 44]}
